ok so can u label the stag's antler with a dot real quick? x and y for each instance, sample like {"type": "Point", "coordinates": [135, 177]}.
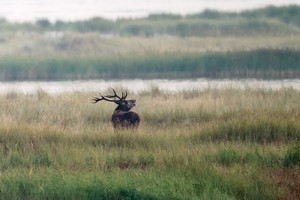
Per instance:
{"type": "Point", "coordinates": [108, 97]}
{"type": "Point", "coordinates": [96, 99]}
{"type": "Point", "coordinates": [114, 95]}
{"type": "Point", "coordinates": [124, 95]}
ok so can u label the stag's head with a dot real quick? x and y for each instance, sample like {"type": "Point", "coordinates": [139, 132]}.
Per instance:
{"type": "Point", "coordinates": [123, 104]}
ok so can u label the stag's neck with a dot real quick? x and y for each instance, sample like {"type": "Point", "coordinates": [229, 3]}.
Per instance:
{"type": "Point", "coordinates": [121, 108]}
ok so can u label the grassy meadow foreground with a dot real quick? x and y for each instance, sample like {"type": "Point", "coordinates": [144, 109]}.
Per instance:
{"type": "Point", "coordinates": [212, 144]}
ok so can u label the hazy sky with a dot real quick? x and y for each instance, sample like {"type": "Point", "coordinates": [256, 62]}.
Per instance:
{"type": "Point", "coordinates": [69, 10]}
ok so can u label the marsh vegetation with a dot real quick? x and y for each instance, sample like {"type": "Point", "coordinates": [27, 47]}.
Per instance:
{"type": "Point", "coordinates": [212, 144]}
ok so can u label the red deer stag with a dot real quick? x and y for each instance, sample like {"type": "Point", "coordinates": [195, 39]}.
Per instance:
{"type": "Point", "coordinates": [122, 116]}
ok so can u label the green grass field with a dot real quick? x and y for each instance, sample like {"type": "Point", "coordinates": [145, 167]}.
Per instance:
{"type": "Point", "coordinates": [212, 144]}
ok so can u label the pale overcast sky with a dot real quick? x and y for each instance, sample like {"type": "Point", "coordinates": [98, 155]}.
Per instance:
{"type": "Point", "coordinates": [70, 10]}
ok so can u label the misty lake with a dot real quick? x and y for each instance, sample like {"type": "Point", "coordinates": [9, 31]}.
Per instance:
{"type": "Point", "coordinates": [138, 85]}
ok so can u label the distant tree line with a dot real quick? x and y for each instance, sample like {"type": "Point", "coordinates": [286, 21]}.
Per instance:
{"type": "Point", "coordinates": [269, 20]}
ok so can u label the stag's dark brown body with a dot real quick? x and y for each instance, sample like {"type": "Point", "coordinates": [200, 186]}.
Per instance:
{"type": "Point", "coordinates": [122, 117]}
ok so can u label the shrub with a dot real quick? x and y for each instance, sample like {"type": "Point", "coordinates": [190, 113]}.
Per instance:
{"type": "Point", "coordinates": [228, 157]}
{"type": "Point", "coordinates": [292, 157]}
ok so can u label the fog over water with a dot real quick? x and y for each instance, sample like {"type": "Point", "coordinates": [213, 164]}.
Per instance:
{"type": "Point", "coordinates": [71, 10]}
{"type": "Point", "coordinates": [144, 85]}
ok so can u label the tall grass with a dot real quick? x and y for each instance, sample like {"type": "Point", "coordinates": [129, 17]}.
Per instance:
{"type": "Point", "coordinates": [212, 144]}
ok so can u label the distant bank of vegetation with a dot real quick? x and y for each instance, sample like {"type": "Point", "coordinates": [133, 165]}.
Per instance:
{"type": "Point", "coordinates": [259, 63]}
{"type": "Point", "coordinates": [262, 43]}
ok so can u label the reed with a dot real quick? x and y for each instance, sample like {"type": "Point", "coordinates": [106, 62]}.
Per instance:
{"type": "Point", "coordinates": [259, 63]}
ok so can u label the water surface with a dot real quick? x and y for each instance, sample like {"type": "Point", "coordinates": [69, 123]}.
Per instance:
{"type": "Point", "coordinates": [138, 85]}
